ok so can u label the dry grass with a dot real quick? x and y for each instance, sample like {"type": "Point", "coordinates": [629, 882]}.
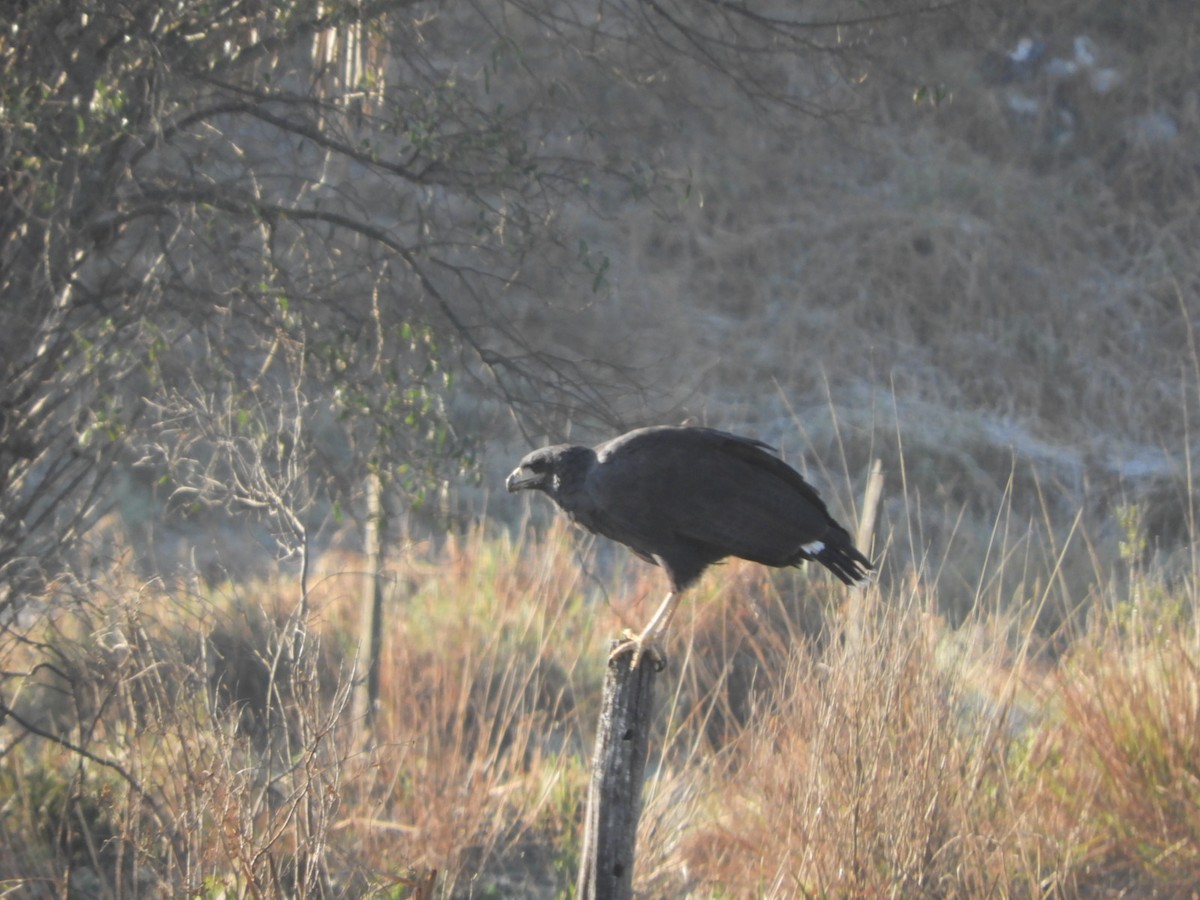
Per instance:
{"type": "Point", "coordinates": [1123, 757]}
{"type": "Point", "coordinates": [810, 745]}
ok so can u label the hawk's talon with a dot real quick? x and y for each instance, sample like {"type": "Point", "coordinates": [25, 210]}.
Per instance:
{"type": "Point", "coordinates": [642, 645]}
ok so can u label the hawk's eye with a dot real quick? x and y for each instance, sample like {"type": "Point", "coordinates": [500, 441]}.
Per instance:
{"type": "Point", "coordinates": [537, 465]}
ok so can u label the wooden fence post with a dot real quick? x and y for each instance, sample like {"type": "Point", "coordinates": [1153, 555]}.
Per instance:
{"type": "Point", "coordinates": [614, 802]}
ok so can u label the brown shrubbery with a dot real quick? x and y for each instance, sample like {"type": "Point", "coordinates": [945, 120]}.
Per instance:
{"type": "Point", "coordinates": [805, 749]}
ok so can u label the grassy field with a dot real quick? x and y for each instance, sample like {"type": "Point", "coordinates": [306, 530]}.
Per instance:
{"type": "Point", "coordinates": [811, 742]}
{"type": "Point", "coordinates": [999, 310]}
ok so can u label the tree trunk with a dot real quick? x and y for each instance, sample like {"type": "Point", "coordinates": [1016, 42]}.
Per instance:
{"type": "Point", "coordinates": [366, 693]}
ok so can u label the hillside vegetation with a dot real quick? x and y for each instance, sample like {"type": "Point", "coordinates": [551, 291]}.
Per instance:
{"type": "Point", "coordinates": [988, 268]}
{"type": "Point", "coordinates": [959, 244]}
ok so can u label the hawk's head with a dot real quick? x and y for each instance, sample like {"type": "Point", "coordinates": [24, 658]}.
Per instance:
{"type": "Point", "coordinates": [558, 471]}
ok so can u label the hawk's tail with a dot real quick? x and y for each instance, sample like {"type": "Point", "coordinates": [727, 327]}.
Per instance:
{"type": "Point", "coordinates": [836, 552]}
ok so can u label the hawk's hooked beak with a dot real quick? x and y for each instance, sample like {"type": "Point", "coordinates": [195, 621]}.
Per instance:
{"type": "Point", "coordinates": [521, 478]}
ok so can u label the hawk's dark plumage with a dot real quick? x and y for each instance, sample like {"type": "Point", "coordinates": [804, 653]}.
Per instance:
{"type": "Point", "coordinates": [684, 498]}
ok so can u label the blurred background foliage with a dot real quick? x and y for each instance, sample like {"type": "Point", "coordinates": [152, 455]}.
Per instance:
{"type": "Point", "coordinates": [257, 257]}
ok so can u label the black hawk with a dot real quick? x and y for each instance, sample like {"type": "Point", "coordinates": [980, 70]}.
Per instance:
{"type": "Point", "coordinates": [684, 498]}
